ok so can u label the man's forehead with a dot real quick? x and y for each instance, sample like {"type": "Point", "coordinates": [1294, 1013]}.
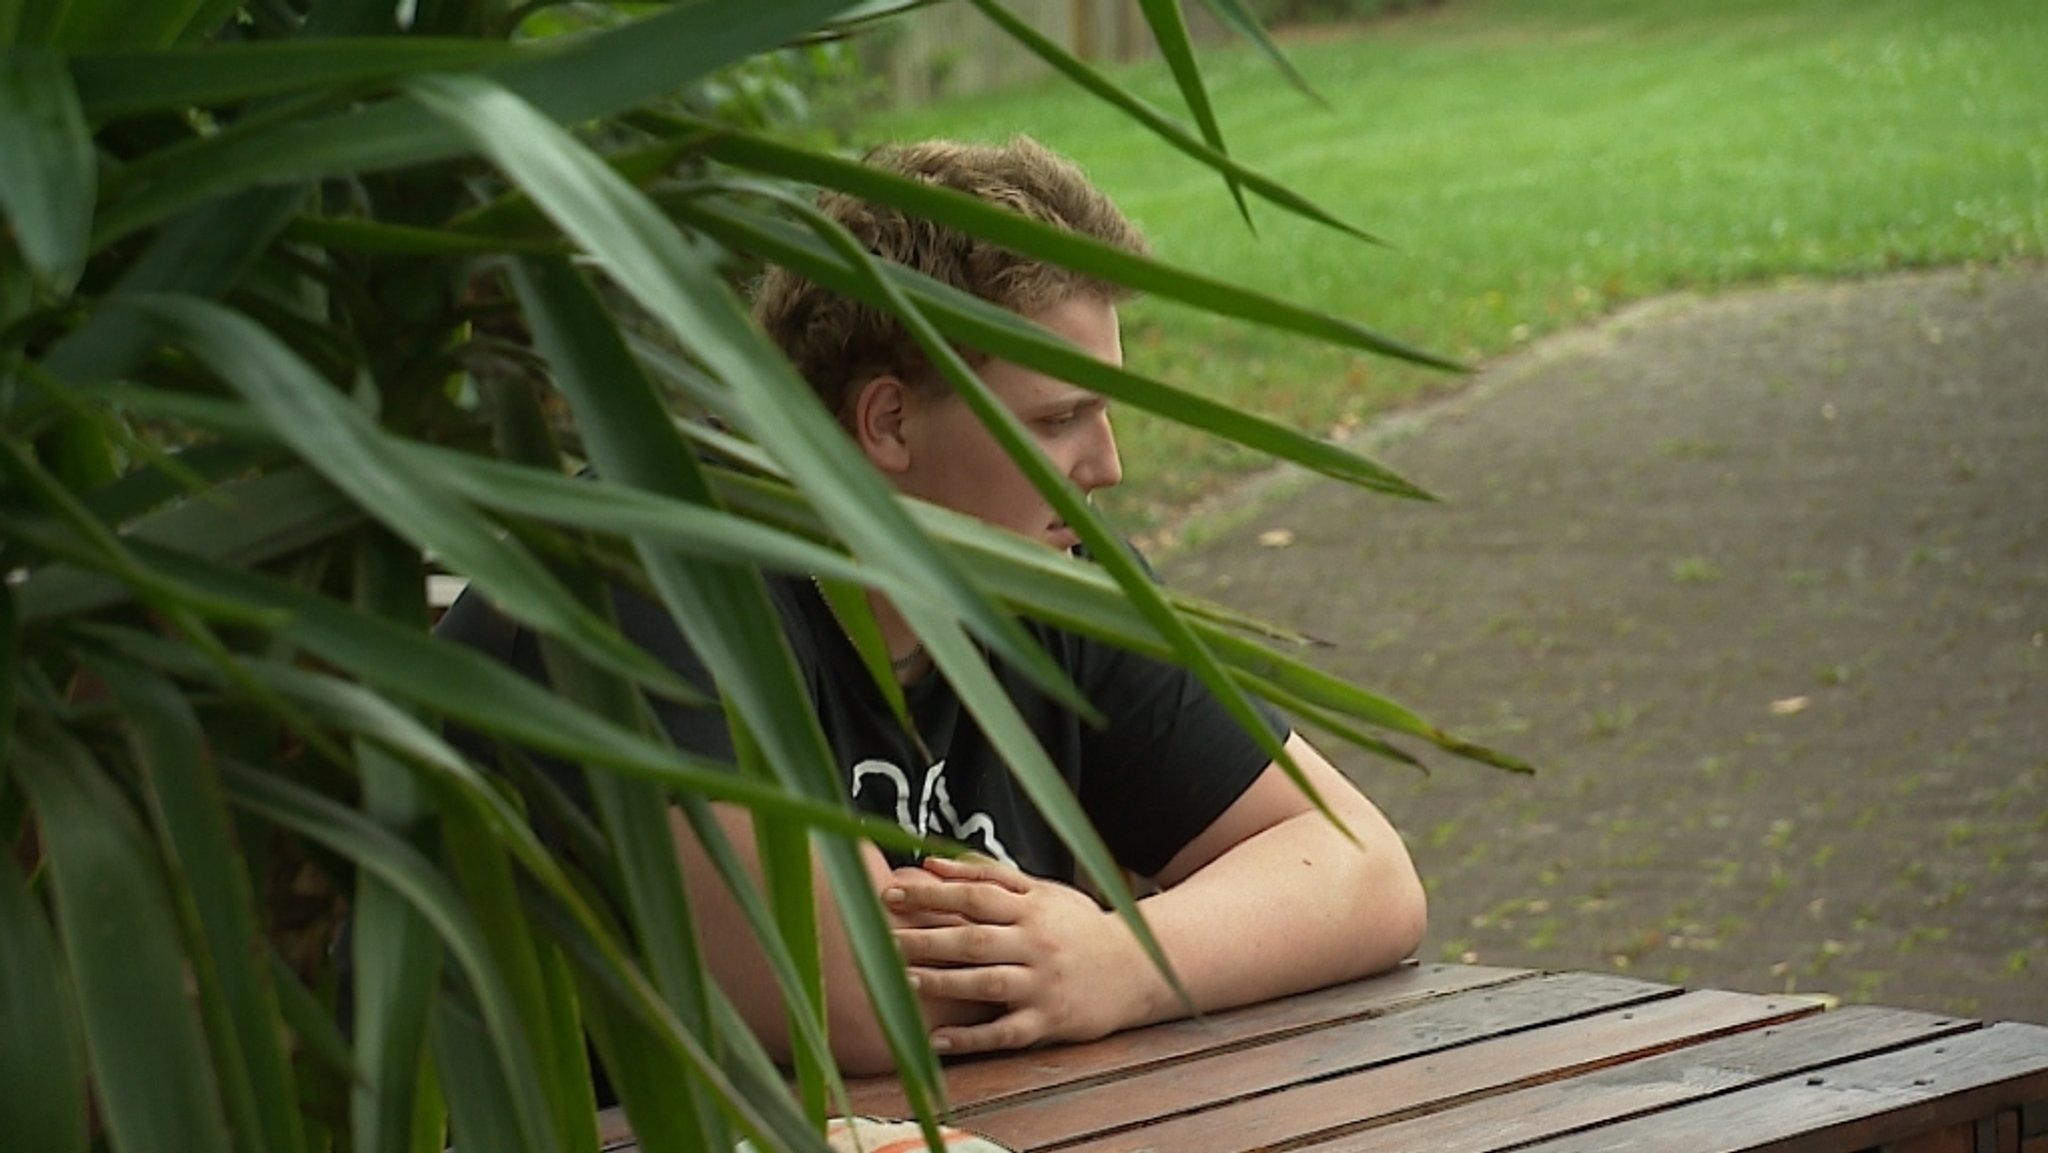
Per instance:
{"type": "Point", "coordinates": [1052, 392]}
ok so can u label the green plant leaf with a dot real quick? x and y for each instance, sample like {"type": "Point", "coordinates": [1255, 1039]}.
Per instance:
{"type": "Point", "coordinates": [724, 611]}
{"type": "Point", "coordinates": [42, 1058]}
{"type": "Point", "coordinates": [202, 252]}
{"type": "Point", "coordinates": [784, 854]}
{"type": "Point", "coordinates": [1304, 682]}
{"type": "Point", "coordinates": [10, 680]}
{"type": "Point", "coordinates": [167, 477]}
{"type": "Point", "coordinates": [11, 23]}
{"type": "Point", "coordinates": [153, 1079]}
{"type": "Point", "coordinates": [1240, 19]}
{"type": "Point", "coordinates": [1329, 722]}
{"type": "Point", "coordinates": [1081, 597]}
{"type": "Point", "coordinates": [1161, 125]}
{"type": "Point", "coordinates": [397, 959]}
{"type": "Point", "coordinates": [644, 1068]}
{"type": "Point", "coordinates": [481, 1109]}
{"type": "Point", "coordinates": [36, 20]}
{"type": "Point", "coordinates": [342, 235]}
{"type": "Point", "coordinates": [652, 261]}
{"type": "Point", "coordinates": [726, 617]}
{"type": "Point", "coordinates": [207, 18]}
{"type": "Point", "coordinates": [570, 1072]}
{"type": "Point", "coordinates": [635, 817]}
{"type": "Point", "coordinates": [189, 810]}
{"type": "Point", "coordinates": [1001, 333]}
{"type": "Point", "coordinates": [243, 523]}
{"type": "Point", "coordinates": [590, 351]}
{"type": "Point", "coordinates": [755, 1078]}
{"type": "Point", "coordinates": [1170, 31]}
{"type": "Point", "coordinates": [482, 694]}
{"type": "Point", "coordinates": [351, 452]}
{"type": "Point", "coordinates": [247, 522]}
{"type": "Point", "coordinates": [583, 79]}
{"type": "Point", "coordinates": [1082, 253]}
{"type": "Point", "coordinates": [356, 711]}
{"type": "Point", "coordinates": [337, 18]}
{"type": "Point", "coordinates": [311, 1022]}
{"type": "Point", "coordinates": [375, 850]}
{"type": "Point", "coordinates": [69, 529]}
{"type": "Point", "coordinates": [857, 619]}
{"type": "Point", "coordinates": [979, 691]}
{"type": "Point", "coordinates": [700, 530]}
{"type": "Point", "coordinates": [116, 23]}
{"type": "Point", "coordinates": [47, 170]}
{"type": "Point", "coordinates": [484, 869]}
{"type": "Point", "coordinates": [648, 1053]}
{"type": "Point", "coordinates": [124, 82]}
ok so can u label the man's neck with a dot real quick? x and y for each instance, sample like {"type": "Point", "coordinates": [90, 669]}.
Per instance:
{"type": "Point", "coordinates": [907, 657]}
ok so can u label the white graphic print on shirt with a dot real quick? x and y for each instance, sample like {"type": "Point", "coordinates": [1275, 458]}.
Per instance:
{"type": "Point", "coordinates": [935, 812]}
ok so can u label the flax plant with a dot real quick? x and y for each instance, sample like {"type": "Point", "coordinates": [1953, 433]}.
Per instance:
{"type": "Point", "coordinates": [304, 300]}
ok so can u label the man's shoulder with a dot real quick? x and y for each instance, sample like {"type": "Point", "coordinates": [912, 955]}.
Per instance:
{"type": "Point", "coordinates": [475, 621]}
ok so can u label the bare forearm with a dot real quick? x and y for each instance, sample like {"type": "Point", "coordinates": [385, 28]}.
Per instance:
{"type": "Point", "coordinates": [734, 954]}
{"type": "Point", "coordinates": [1270, 907]}
{"type": "Point", "coordinates": [740, 966]}
{"type": "Point", "coordinates": [1295, 907]}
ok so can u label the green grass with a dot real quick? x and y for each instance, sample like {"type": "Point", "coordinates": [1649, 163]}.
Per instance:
{"type": "Point", "coordinates": [1537, 163]}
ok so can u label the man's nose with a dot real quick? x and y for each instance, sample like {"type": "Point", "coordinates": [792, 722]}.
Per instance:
{"type": "Point", "coordinates": [1100, 466]}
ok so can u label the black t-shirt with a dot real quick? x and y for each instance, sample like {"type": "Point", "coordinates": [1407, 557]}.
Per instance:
{"type": "Point", "coordinates": [1168, 761]}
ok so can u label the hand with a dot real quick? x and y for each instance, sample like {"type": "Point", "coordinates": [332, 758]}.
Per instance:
{"type": "Point", "coordinates": [939, 1010]}
{"type": "Point", "coordinates": [1044, 956]}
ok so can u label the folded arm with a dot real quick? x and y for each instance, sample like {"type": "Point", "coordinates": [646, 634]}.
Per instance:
{"type": "Point", "coordinates": [1270, 899]}
{"type": "Point", "coordinates": [738, 964]}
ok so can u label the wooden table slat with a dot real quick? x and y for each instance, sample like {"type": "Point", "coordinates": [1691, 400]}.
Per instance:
{"type": "Point", "coordinates": [1859, 1104]}
{"type": "Point", "coordinates": [1235, 1073]}
{"type": "Point", "coordinates": [1493, 1060]}
{"type": "Point", "coordinates": [1431, 1078]}
{"type": "Point", "coordinates": [980, 1084]}
{"type": "Point", "coordinates": [1755, 1056]}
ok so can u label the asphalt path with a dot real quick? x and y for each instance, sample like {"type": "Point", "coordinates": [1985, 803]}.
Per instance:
{"type": "Point", "coordinates": [1760, 582]}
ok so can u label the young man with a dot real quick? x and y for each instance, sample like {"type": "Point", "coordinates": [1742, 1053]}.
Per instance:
{"type": "Point", "coordinates": [1259, 895]}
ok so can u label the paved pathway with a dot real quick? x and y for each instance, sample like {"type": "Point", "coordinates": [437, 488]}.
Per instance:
{"type": "Point", "coordinates": [1761, 581]}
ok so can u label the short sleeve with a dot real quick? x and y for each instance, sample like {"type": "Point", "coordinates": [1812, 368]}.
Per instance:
{"type": "Point", "coordinates": [693, 727]}
{"type": "Point", "coordinates": [1170, 759]}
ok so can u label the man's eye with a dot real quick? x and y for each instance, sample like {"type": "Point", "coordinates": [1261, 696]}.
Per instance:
{"type": "Point", "coordinates": [1058, 420]}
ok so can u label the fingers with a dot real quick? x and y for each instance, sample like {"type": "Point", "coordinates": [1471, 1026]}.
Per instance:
{"type": "Point", "coordinates": [1010, 1031]}
{"type": "Point", "coordinates": [983, 869]}
{"type": "Point", "coordinates": [910, 918]}
{"type": "Point", "coordinates": [983, 984]}
{"type": "Point", "coordinates": [970, 944]}
{"type": "Point", "coordinates": [988, 902]}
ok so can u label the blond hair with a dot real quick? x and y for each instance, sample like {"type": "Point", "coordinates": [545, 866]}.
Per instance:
{"type": "Point", "coordinates": [837, 343]}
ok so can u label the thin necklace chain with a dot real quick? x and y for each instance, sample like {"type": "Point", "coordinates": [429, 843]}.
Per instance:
{"type": "Point", "coordinates": [901, 664]}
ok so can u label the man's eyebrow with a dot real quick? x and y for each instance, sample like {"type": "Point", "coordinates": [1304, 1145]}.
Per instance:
{"type": "Point", "coordinates": [1073, 402]}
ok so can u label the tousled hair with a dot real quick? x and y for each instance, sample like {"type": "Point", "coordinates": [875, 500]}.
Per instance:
{"type": "Point", "coordinates": [838, 344]}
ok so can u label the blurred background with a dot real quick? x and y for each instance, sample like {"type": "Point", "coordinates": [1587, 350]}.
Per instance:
{"type": "Point", "coordinates": [1744, 541]}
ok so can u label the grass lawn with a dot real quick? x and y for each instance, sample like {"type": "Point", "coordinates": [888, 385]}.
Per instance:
{"type": "Point", "coordinates": [1535, 163]}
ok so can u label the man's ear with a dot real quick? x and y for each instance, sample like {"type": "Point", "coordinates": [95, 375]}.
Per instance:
{"type": "Point", "coordinates": [877, 415]}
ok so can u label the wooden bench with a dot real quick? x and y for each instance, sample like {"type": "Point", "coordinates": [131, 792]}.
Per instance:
{"type": "Point", "coordinates": [1461, 1057]}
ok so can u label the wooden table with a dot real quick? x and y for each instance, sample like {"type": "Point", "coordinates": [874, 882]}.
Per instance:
{"type": "Point", "coordinates": [1461, 1057]}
